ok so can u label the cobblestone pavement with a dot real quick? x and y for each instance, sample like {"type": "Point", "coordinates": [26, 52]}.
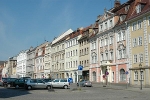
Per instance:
{"type": "Point", "coordinates": [97, 92]}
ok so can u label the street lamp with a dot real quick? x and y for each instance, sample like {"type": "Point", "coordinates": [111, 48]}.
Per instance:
{"type": "Point", "coordinates": [140, 66]}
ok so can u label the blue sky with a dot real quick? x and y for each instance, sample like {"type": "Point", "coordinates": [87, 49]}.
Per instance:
{"type": "Point", "coordinates": [26, 23]}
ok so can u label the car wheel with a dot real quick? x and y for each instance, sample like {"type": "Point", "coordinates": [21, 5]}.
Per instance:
{"type": "Point", "coordinates": [8, 85]}
{"type": "Point", "coordinates": [48, 87]}
{"type": "Point", "coordinates": [65, 87]}
{"type": "Point", "coordinates": [17, 86]}
{"type": "Point", "coordinates": [29, 87]}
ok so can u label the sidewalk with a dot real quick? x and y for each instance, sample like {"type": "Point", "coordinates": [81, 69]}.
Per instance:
{"type": "Point", "coordinates": [121, 87]}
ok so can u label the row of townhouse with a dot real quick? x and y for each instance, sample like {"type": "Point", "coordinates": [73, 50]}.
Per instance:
{"type": "Point", "coordinates": [114, 49]}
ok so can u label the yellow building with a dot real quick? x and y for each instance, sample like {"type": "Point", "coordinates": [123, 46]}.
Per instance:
{"type": "Point", "coordinates": [138, 35]}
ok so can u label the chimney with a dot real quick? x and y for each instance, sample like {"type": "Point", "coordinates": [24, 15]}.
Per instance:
{"type": "Point", "coordinates": [117, 3]}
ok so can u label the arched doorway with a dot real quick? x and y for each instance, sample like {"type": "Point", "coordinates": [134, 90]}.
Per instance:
{"type": "Point", "coordinates": [94, 76]}
{"type": "Point", "coordinates": [122, 75]}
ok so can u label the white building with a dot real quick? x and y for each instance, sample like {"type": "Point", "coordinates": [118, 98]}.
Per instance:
{"type": "Point", "coordinates": [21, 63]}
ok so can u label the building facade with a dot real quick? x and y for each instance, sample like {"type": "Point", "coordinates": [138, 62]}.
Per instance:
{"type": "Point", "coordinates": [39, 61]}
{"type": "Point", "coordinates": [21, 63]}
{"type": "Point", "coordinates": [139, 33]}
{"type": "Point", "coordinates": [30, 62]}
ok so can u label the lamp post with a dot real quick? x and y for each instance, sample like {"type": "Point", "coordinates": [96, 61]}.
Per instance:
{"type": "Point", "coordinates": [140, 66]}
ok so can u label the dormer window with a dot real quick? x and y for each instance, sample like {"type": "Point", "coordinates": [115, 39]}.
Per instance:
{"type": "Point", "coordinates": [138, 8]}
{"type": "Point", "coordinates": [122, 17]}
{"type": "Point", "coordinates": [127, 8]}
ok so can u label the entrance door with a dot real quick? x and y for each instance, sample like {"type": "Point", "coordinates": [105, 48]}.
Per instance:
{"type": "Point", "coordinates": [94, 76]}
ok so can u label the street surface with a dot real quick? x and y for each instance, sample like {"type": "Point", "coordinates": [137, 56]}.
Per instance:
{"type": "Point", "coordinates": [97, 92]}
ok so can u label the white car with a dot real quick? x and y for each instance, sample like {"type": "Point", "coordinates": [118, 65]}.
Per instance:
{"type": "Point", "coordinates": [60, 83]}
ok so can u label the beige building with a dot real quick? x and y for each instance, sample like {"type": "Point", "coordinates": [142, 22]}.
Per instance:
{"type": "Point", "coordinates": [139, 37]}
{"type": "Point", "coordinates": [72, 54]}
{"type": "Point", "coordinates": [47, 59]}
{"type": "Point", "coordinates": [84, 47]}
{"type": "Point", "coordinates": [40, 61]}
{"type": "Point", "coordinates": [58, 56]}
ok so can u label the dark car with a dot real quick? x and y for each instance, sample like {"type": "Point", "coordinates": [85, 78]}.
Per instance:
{"type": "Point", "coordinates": [9, 82]}
{"type": "Point", "coordinates": [20, 82]}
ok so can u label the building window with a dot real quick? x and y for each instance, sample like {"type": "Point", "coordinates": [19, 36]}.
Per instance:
{"type": "Point", "coordinates": [85, 63]}
{"type": "Point", "coordinates": [102, 58]}
{"type": "Point", "coordinates": [149, 20]}
{"type": "Point", "coordinates": [120, 54]}
{"type": "Point", "coordinates": [119, 36]}
{"type": "Point", "coordinates": [140, 41]}
{"type": "Point", "coordinates": [87, 50]}
{"type": "Point", "coordinates": [123, 35]}
{"type": "Point", "coordinates": [106, 56]}
{"type": "Point", "coordinates": [134, 26]}
{"type": "Point", "coordinates": [93, 45]}
{"type": "Point", "coordinates": [134, 42]}
{"type": "Point", "coordinates": [142, 74]}
{"type": "Point", "coordinates": [101, 27]}
{"type": "Point", "coordinates": [80, 52]}
{"type": "Point", "coordinates": [136, 75]}
{"type": "Point", "coordinates": [111, 39]}
{"type": "Point", "coordinates": [111, 55]}
{"type": "Point", "coordinates": [135, 58]}
{"type": "Point", "coordinates": [106, 41]}
{"type": "Point", "coordinates": [141, 58]}
{"type": "Point", "coordinates": [106, 25]}
{"type": "Point", "coordinates": [101, 42]}
{"type": "Point", "coordinates": [139, 26]}
{"type": "Point", "coordinates": [94, 59]}
{"type": "Point", "coordinates": [76, 52]}
{"type": "Point", "coordinates": [127, 8]}
{"type": "Point", "coordinates": [124, 53]}
{"type": "Point", "coordinates": [138, 8]}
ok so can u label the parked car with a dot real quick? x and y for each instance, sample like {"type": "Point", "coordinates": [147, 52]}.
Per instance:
{"type": "Point", "coordinates": [84, 83]}
{"type": "Point", "coordinates": [21, 82]}
{"type": "Point", "coordinates": [9, 82]}
{"type": "Point", "coordinates": [60, 83]}
{"type": "Point", "coordinates": [37, 83]}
